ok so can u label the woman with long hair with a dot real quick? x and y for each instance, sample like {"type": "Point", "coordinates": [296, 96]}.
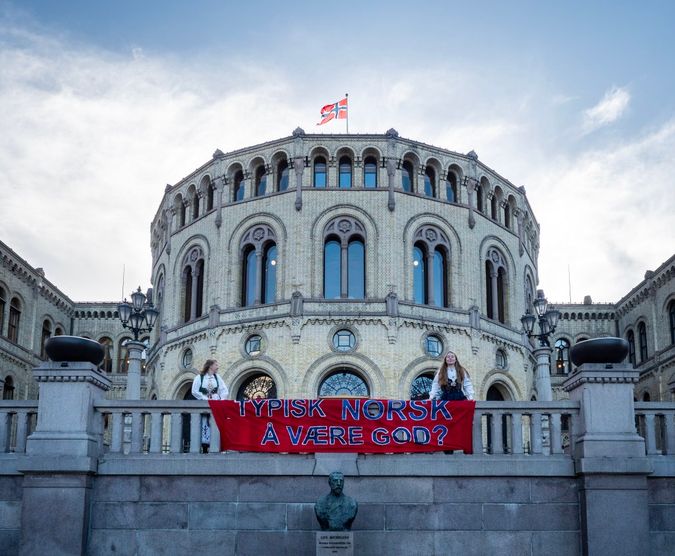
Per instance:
{"type": "Point", "coordinates": [207, 385]}
{"type": "Point", "coordinates": [452, 381]}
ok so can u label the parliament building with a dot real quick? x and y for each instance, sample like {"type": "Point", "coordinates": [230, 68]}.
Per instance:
{"type": "Point", "coordinates": [338, 265]}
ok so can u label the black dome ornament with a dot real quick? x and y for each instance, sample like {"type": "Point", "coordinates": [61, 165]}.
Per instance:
{"type": "Point", "coordinates": [74, 349]}
{"type": "Point", "coordinates": [599, 350]}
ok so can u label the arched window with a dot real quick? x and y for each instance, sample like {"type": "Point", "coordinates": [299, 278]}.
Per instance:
{"type": "Point", "coordinates": [3, 301]}
{"type": "Point", "coordinates": [642, 339]}
{"type": "Point", "coordinates": [429, 182]}
{"type": "Point", "coordinates": [451, 187]}
{"type": "Point", "coordinates": [210, 192]}
{"type": "Point", "coordinates": [282, 175]}
{"type": "Point", "coordinates": [671, 320]}
{"type": "Point", "coordinates": [344, 262]}
{"type": "Point", "coordinates": [106, 364]}
{"type": "Point", "coordinates": [431, 254]}
{"type": "Point", "coordinates": [495, 285]}
{"type": "Point", "coordinates": [123, 361]}
{"type": "Point", "coordinates": [46, 334]}
{"type": "Point", "coordinates": [14, 320]}
{"type": "Point", "coordinates": [256, 387]}
{"type": "Point", "coordinates": [259, 265]}
{"type": "Point", "coordinates": [238, 189]}
{"type": "Point", "coordinates": [407, 176]}
{"type": "Point", "coordinates": [529, 294]}
{"type": "Point", "coordinates": [345, 180]}
{"type": "Point", "coordinates": [195, 206]}
{"type": "Point", "coordinates": [320, 172]}
{"type": "Point", "coordinates": [421, 386]}
{"type": "Point", "coordinates": [59, 331]}
{"type": "Point", "coordinates": [343, 383]}
{"type": "Point", "coordinates": [562, 356]}
{"type": "Point", "coordinates": [192, 279]}
{"type": "Point", "coordinates": [370, 172]}
{"type": "Point", "coordinates": [494, 207]}
{"type": "Point", "coordinates": [179, 206]}
{"type": "Point", "coordinates": [260, 181]}
{"type": "Point", "coordinates": [630, 337]}
{"type": "Point", "coordinates": [479, 198]}
{"type": "Point", "coordinates": [8, 389]}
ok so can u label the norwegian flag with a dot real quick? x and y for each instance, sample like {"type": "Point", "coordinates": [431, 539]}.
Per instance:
{"type": "Point", "coordinates": [334, 111]}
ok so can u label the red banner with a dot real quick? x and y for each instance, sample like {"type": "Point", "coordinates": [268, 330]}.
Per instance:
{"type": "Point", "coordinates": [344, 425]}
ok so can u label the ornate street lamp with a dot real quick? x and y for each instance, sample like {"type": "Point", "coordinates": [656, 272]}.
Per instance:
{"type": "Point", "coordinates": [138, 316]}
{"type": "Point", "coordinates": [547, 317]}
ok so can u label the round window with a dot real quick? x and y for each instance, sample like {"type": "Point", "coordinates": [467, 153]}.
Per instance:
{"type": "Point", "coordinates": [344, 340]}
{"type": "Point", "coordinates": [254, 345]}
{"type": "Point", "coordinates": [434, 346]}
{"type": "Point", "coordinates": [187, 359]}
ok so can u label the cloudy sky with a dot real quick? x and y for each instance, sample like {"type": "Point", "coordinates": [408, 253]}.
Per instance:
{"type": "Point", "coordinates": [103, 103]}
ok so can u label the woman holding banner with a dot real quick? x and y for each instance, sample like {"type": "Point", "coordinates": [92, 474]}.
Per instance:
{"type": "Point", "coordinates": [452, 381]}
{"type": "Point", "coordinates": [207, 385]}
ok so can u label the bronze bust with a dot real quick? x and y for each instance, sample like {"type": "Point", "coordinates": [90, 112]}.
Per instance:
{"type": "Point", "coordinates": [336, 511]}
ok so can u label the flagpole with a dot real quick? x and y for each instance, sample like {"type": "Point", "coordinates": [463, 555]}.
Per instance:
{"type": "Point", "coordinates": [347, 119]}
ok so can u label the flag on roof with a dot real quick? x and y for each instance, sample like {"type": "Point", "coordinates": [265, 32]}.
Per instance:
{"type": "Point", "coordinates": [337, 110]}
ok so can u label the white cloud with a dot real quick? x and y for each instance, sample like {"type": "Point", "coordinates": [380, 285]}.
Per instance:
{"type": "Point", "coordinates": [608, 110]}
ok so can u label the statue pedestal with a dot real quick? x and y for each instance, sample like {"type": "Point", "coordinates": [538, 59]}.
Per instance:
{"type": "Point", "coordinates": [335, 543]}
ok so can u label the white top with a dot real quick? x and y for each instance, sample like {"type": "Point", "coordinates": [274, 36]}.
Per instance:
{"type": "Point", "coordinates": [217, 387]}
{"type": "Point", "coordinates": [467, 386]}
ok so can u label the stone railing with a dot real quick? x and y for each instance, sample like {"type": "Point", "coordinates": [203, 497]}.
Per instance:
{"type": "Point", "coordinates": [17, 422]}
{"type": "Point", "coordinates": [655, 422]}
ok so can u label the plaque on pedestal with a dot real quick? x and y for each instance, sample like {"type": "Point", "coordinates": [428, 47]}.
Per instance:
{"type": "Point", "coordinates": [335, 543]}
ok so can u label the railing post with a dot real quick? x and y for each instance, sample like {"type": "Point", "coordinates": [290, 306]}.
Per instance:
{"type": "Point", "coordinates": [610, 460]}
{"type": "Point", "coordinates": [62, 455]}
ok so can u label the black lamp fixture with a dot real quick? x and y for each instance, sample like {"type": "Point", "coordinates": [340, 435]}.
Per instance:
{"type": "Point", "coordinates": [546, 315]}
{"type": "Point", "coordinates": [139, 315]}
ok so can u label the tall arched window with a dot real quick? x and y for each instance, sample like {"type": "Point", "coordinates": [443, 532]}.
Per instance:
{"type": "Point", "coordinates": [630, 338]}
{"type": "Point", "coordinates": [3, 298]}
{"type": "Point", "coordinates": [320, 172]}
{"type": "Point", "coordinates": [429, 182]}
{"type": "Point", "coordinates": [495, 285]}
{"type": "Point", "coordinates": [642, 339]}
{"type": "Point", "coordinates": [238, 189]}
{"type": "Point", "coordinates": [123, 361]}
{"type": "Point", "coordinates": [106, 364]}
{"type": "Point", "coordinates": [370, 172]}
{"type": "Point", "coordinates": [345, 180]}
{"type": "Point", "coordinates": [192, 279]}
{"type": "Point", "coordinates": [671, 320]}
{"type": "Point", "coordinates": [344, 261]}
{"type": "Point", "coordinates": [529, 293]}
{"type": "Point", "coordinates": [562, 356]}
{"type": "Point", "coordinates": [282, 175]}
{"type": "Point", "coordinates": [451, 187]}
{"type": "Point", "coordinates": [407, 176]}
{"type": "Point", "coordinates": [46, 334]}
{"type": "Point", "coordinates": [431, 255]}
{"type": "Point", "coordinates": [260, 181]}
{"type": "Point", "coordinates": [179, 207]}
{"type": "Point", "coordinates": [494, 207]}
{"type": "Point", "coordinates": [210, 192]}
{"type": "Point", "coordinates": [14, 320]}
{"type": "Point", "coordinates": [480, 198]}
{"type": "Point", "coordinates": [8, 389]}
{"type": "Point", "coordinates": [259, 264]}
{"type": "Point", "coordinates": [195, 206]}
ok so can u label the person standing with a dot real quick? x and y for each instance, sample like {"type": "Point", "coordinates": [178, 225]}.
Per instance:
{"type": "Point", "coordinates": [207, 385]}
{"type": "Point", "coordinates": [452, 381]}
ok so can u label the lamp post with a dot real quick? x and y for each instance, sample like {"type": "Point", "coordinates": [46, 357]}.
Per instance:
{"type": "Point", "coordinates": [138, 316]}
{"type": "Point", "coordinates": [547, 317]}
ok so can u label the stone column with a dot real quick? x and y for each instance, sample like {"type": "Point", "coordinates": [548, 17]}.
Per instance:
{"type": "Point", "coordinates": [135, 350]}
{"type": "Point", "coordinates": [391, 176]}
{"type": "Point", "coordinates": [62, 455]}
{"type": "Point", "coordinates": [299, 167]}
{"type": "Point", "coordinates": [543, 374]}
{"type": "Point", "coordinates": [610, 460]}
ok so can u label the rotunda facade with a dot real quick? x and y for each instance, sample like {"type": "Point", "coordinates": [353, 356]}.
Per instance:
{"type": "Point", "coordinates": [342, 265]}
